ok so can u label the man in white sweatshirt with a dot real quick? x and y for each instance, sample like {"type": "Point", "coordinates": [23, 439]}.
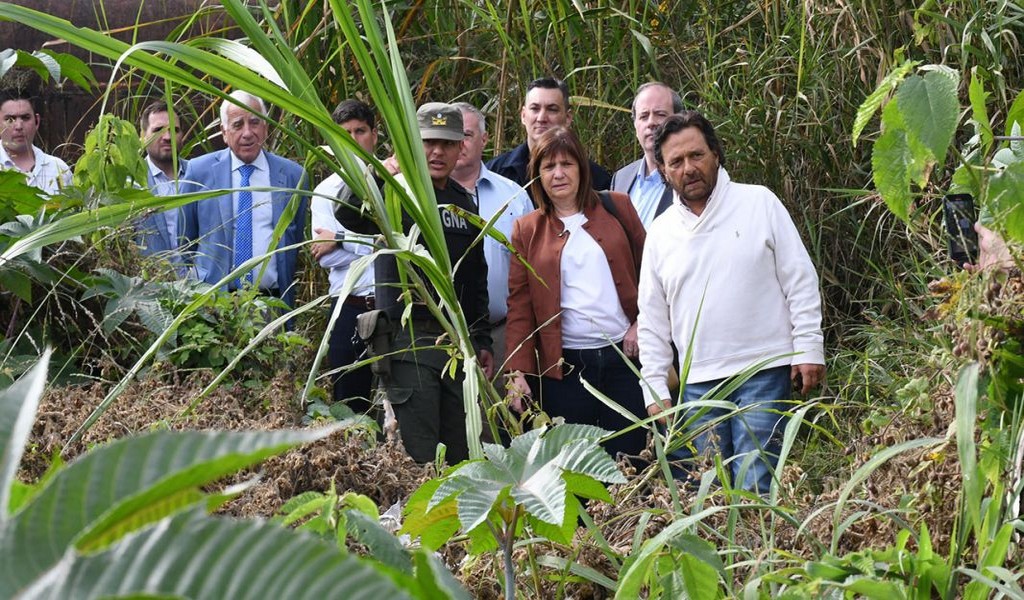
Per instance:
{"type": "Point", "coordinates": [725, 273]}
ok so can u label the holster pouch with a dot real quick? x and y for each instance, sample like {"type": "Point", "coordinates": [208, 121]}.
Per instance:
{"type": "Point", "coordinates": [378, 333]}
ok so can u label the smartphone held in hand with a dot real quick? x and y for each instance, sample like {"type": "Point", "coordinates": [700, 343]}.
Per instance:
{"type": "Point", "coordinates": [960, 215]}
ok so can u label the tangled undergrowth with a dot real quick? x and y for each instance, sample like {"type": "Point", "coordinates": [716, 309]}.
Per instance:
{"type": "Point", "coordinates": [920, 486]}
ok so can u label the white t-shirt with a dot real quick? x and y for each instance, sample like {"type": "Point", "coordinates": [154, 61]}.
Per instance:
{"type": "Point", "coordinates": [592, 316]}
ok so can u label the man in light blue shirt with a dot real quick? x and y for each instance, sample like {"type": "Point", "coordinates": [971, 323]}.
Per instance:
{"type": "Point", "coordinates": [493, 193]}
{"type": "Point", "coordinates": [158, 232]}
{"type": "Point", "coordinates": [654, 102]}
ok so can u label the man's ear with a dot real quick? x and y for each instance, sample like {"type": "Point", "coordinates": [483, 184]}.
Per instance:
{"type": "Point", "coordinates": [568, 117]}
{"type": "Point", "coordinates": [485, 138]}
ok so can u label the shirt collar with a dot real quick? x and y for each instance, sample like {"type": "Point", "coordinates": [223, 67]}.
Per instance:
{"type": "Point", "coordinates": [260, 163]}
{"type": "Point", "coordinates": [8, 163]}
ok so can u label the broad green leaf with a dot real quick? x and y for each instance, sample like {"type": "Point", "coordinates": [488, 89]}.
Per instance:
{"type": "Point", "coordinates": [434, 527]}
{"type": "Point", "coordinates": [978, 95]}
{"type": "Point", "coordinates": [543, 494]}
{"type": "Point", "coordinates": [1015, 116]}
{"type": "Point", "coordinates": [562, 533]}
{"type": "Point", "coordinates": [587, 458]}
{"type": "Point", "coordinates": [435, 580]}
{"type": "Point", "coordinates": [585, 487]}
{"type": "Point", "coordinates": [699, 548]}
{"type": "Point", "coordinates": [383, 546]}
{"type": "Point", "coordinates": [891, 161]}
{"type": "Point", "coordinates": [16, 283]}
{"type": "Point", "coordinates": [554, 440]}
{"type": "Point", "coordinates": [875, 590]}
{"type": "Point", "coordinates": [18, 405]}
{"type": "Point", "coordinates": [300, 507]}
{"type": "Point", "coordinates": [195, 556]}
{"type": "Point", "coordinates": [74, 69]}
{"type": "Point", "coordinates": [872, 103]}
{"type": "Point", "coordinates": [19, 197]}
{"type": "Point", "coordinates": [931, 109]}
{"type": "Point", "coordinates": [826, 571]}
{"type": "Point", "coordinates": [120, 485]}
{"type": "Point", "coordinates": [1006, 200]}
{"type": "Point", "coordinates": [476, 503]}
{"type": "Point", "coordinates": [699, 578]}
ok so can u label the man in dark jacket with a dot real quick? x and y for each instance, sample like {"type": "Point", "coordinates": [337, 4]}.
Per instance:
{"type": "Point", "coordinates": [428, 403]}
{"type": "Point", "coordinates": [546, 106]}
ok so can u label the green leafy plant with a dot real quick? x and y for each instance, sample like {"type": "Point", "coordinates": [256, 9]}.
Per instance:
{"type": "Point", "coordinates": [143, 497]}
{"type": "Point", "coordinates": [536, 482]}
{"type": "Point", "coordinates": [918, 125]}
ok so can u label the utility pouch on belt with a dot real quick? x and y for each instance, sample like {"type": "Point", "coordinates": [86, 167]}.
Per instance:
{"type": "Point", "coordinates": [377, 332]}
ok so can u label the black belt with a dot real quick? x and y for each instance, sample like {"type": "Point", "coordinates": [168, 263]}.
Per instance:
{"type": "Point", "coordinates": [362, 302]}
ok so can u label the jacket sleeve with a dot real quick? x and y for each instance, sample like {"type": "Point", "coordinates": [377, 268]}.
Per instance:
{"type": "Point", "coordinates": [478, 315]}
{"type": "Point", "coordinates": [521, 319]}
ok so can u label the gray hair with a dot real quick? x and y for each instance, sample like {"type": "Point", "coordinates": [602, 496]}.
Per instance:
{"type": "Point", "coordinates": [677, 101]}
{"type": "Point", "coordinates": [245, 98]}
{"type": "Point", "coordinates": [467, 107]}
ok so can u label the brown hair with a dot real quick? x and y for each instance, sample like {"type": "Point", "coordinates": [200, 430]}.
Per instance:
{"type": "Point", "coordinates": [555, 141]}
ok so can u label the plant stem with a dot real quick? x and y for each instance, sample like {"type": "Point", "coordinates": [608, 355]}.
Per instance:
{"type": "Point", "coordinates": [510, 536]}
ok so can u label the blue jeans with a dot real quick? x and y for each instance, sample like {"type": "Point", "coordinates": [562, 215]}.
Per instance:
{"type": "Point", "coordinates": [607, 371]}
{"type": "Point", "coordinates": [752, 431]}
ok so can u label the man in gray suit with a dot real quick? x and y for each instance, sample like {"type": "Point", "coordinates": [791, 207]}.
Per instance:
{"type": "Point", "coordinates": [654, 102]}
{"type": "Point", "coordinates": [229, 229]}
{"type": "Point", "coordinates": [158, 232]}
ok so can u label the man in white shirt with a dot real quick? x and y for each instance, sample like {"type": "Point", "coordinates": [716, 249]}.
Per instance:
{"type": "Point", "coordinates": [163, 136]}
{"type": "Point", "coordinates": [725, 273]}
{"type": "Point", "coordinates": [654, 102]}
{"type": "Point", "coordinates": [19, 122]}
{"type": "Point", "coordinates": [493, 194]}
{"type": "Point", "coordinates": [336, 250]}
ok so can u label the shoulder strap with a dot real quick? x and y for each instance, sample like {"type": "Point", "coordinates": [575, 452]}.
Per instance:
{"type": "Point", "coordinates": [606, 201]}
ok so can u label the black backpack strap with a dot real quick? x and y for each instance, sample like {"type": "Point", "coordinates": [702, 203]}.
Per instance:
{"type": "Point", "coordinates": [606, 201]}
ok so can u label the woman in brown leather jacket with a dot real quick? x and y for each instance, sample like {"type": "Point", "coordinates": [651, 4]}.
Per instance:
{"type": "Point", "coordinates": [566, 318]}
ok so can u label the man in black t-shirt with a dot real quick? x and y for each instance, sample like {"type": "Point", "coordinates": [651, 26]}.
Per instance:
{"type": "Point", "coordinates": [428, 403]}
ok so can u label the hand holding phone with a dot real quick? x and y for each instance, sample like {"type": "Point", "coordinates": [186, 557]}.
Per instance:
{"type": "Point", "coordinates": [960, 215]}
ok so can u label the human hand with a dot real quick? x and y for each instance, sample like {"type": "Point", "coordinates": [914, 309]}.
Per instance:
{"type": "Point", "coordinates": [518, 391]}
{"type": "Point", "coordinates": [992, 251]}
{"type": "Point", "coordinates": [486, 360]}
{"type": "Point", "coordinates": [806, 377]}
{"type": "Point", "coordinates": [391, 164]}
{"type": "Point", "coordinates": [657, 408]}
{"type": "Point", "coordinates": [630, 346]}
{"type": "Point", "coordinates": [326, 244]}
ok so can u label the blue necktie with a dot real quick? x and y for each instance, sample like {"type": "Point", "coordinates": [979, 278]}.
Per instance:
{"type": "Point", "coordinates": [243, 223]}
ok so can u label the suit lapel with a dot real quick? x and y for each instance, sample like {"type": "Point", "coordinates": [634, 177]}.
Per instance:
{"type": "Point", "coordinates": [225, 203]}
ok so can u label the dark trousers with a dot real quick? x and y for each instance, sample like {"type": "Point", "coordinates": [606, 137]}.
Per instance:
{"type": "Point", "coordinates": [607, 371]}
{"type": "Point", "coordinates": [344, 348]}
{"type": "Point", "coordinates": [427, 401]}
